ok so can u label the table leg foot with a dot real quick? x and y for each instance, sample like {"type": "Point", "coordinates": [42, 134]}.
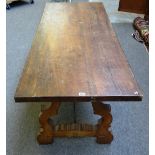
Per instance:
{"type": "Point", "coordinates": [46, 132]}
{"type": "Point", "coordinates": [103, 135]}
{"type": "Point", "coordinates": [44, 138]}
{"type": "Point", "coordinates": [105, 138]}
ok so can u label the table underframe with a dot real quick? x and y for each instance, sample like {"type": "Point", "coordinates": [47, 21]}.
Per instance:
{"type": "Point", "coordinates": [101, 130]}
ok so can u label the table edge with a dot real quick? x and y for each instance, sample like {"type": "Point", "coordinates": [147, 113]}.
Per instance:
{"type": "Point", "coordinates": [80, 98]}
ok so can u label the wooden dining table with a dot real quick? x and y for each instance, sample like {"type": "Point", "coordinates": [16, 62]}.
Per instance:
{"type": "Point", "coordinates": [76, 57]}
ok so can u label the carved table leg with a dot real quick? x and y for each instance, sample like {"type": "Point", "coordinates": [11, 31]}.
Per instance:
{"type": "Point", "coordinates": [103, 135]}
{"type": "Point", "coordinates": [46, 133]}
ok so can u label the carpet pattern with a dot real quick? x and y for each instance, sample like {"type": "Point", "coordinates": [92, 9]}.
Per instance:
{"type": "Point", "coordinates": [130, 119]}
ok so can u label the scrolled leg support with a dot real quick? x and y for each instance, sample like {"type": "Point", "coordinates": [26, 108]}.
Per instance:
{"type": "Point", "coordinates": [103, 135]}
{"type": "Point", "coordinates": [46, 132]}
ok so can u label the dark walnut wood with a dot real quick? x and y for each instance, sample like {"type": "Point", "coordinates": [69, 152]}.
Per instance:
{"type": "Point", "coordinates": [101, 131]}
{"type": "Point", "coordinates": [103, 135]}
{"type": "Point", "coordinates": [75, 130]}
{"type": "Point", "coordinates": [46, 133]}
{"type": "Point", "coordinates": [75, 55]}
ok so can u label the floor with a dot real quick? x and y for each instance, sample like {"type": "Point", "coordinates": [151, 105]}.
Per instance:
{"type": "Point", "coordinates": [130, 119]}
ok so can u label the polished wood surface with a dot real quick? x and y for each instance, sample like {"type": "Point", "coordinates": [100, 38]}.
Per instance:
{"type": "Point", "coordinates": [75, 55]}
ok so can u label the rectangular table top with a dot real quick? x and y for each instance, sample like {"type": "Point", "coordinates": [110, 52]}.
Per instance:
{"type": "Point", "coordinates": [75, 55]}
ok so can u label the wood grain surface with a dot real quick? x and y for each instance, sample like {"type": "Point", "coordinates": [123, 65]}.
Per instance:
{"type": "Point", "coordinates": [75, 55]}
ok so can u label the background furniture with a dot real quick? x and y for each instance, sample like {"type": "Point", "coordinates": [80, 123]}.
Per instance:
{"type": "Point", "coordinates": [135, 6]}
{"type": "Point", "coordinates": [8, 2]}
